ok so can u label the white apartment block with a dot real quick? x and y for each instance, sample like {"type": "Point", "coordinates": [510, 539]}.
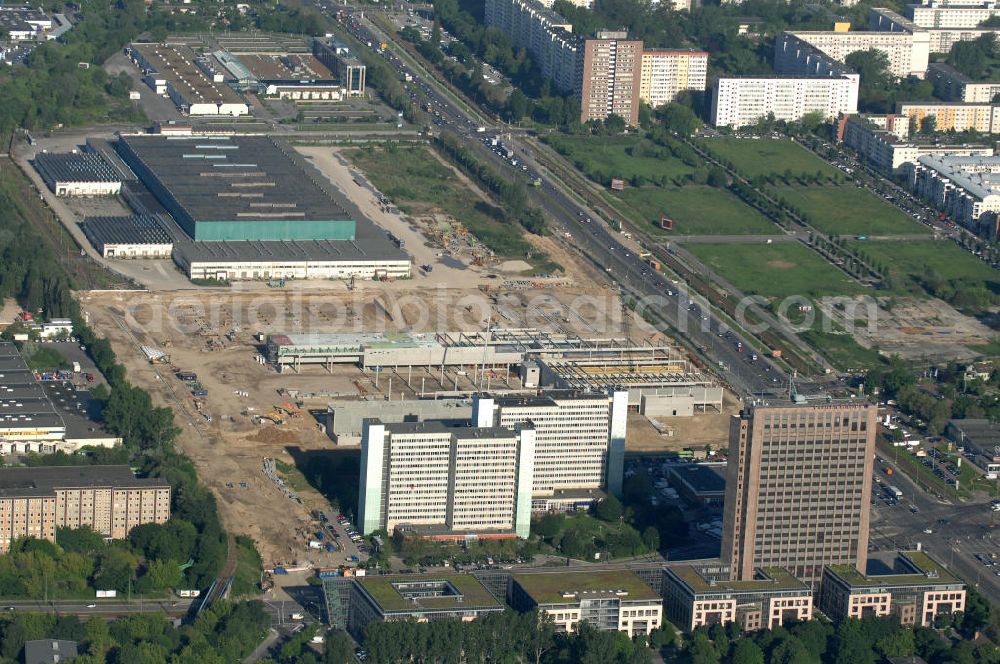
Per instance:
{"type": "Point", "coordinates": [446, 480]}
{"type": "Point", "coordinates": [953, 85]}
{"type": "Point", "coordinates": [666, 73]}
{"type": "Point", "coordinates": [953, 116]}
{"type": "Point", "coordinates": [543, 33]}
{"type": "Point", "coordinates": [739, 102]}
{"type": "Point", "coordinates": [964, 187]}
{"type": "Point", "coordinates": [964, 14]}
{"type": "Point", "coordinates": [795, 57]}
{"type": "Point", "coordinates": [939, 40]}
{"type": "Point", "coordinates": [881, 140]}
{"type": "Point", "coordinates": [579, 437]}
{"type": "Point", "coordinates": [908, 51]}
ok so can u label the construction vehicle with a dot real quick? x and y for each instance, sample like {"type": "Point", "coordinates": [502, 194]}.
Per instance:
{"type": "Point", "coordinates": [289, 409]}
{"type": "Point", "coordinates": [276, 283]}
{"type": "Point", "coordinates": [274, 417]}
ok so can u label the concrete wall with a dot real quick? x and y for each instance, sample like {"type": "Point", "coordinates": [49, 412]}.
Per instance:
{"type": "Point", "coordinates": [344, 418]}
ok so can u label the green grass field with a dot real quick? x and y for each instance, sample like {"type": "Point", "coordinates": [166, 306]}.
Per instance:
{"type": "Point", "coordinates": [775, 270]}
{"type": "Point", "coordinates": [418, 183]}
{"type": "Point", "coordinates": [848, 210]}
{"type": "Point", "coordinates": [695, 209]}
{"type": "Point", "coordinates": [915, 260]}
{"type": "Point", "coordinates": [768, 156]}
{"type": "Point", "coordinates": [626, 157]}
{"type": "Point", "coordinates": [841, 349]}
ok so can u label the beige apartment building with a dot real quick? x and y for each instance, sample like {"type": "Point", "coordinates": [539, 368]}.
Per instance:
{"type": "Point", "coordinates": [953, 85]}
{"type": "Point", "coordinates": [579, 436]}
{"type": "Point", "coordinates": [446, 482]}
{"type": "Point", "coordinates": [612, 68]}
{"type": "Point", "coordinates": [667, 73]}
{"type": "Point", "coordinates": [952, 116]}
{"type": "Point", "coordinates": [910, 585]}
{"type": "Point", "coordinates": [109, 499]}
{"type": "Point", "coordinates": [798, 487]}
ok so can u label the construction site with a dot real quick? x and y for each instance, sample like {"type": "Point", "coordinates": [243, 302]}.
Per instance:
{"type": "Point", "coordinates": [205, 354]}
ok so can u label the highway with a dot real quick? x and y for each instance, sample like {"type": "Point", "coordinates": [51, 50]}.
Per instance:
{"type": "Point", "coordinates": [683, 314]}
{"type": "Point", "coordinates": [958, 532]}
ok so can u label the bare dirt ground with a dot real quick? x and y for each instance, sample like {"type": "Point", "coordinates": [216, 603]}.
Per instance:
{"type": "Point", "coordinates": [215, 334]}
{"type": "Point", "coordinates": [914, 329]}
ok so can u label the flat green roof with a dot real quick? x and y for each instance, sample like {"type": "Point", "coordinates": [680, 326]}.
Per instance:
{"type": "Point", "coordinates": [548, 587]}
{"type": "Point", "coordinates": [474, 594]}
{"type": "Point", "coordinates": [778, 578]}
{"type": "Point", "coordinates": [923, 563]}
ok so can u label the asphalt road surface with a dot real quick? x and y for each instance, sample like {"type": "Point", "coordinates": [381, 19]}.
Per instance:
{"type": "Point", "coordinates": [687, 315]}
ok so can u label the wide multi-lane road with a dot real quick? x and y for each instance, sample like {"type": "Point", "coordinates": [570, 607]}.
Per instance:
{"type": "Point", "coordinates": [684, 314]}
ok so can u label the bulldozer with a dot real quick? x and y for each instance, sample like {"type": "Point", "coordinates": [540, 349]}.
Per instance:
{"type": "Point", "coordinates": [273, 416]}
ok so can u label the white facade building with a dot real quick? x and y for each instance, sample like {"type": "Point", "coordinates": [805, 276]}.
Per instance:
{"type": "Point", "coordinates": [882, 141]}
{"type": "Point", "coordinates": [543, 33]}
{"type": "Point", "coordinates": [953, 85]}
{"type": "Point", "coordinates": [908, 51]}
{"type": "Point", "coordinates": [965, 14]}
{"type": "Point", "coordinates": [964, 187]}
{"type": "Point", "coordinates": [666, 73]}
{"type": "Point", "coordinates": [464, 481]}
{"type": "Point", "coordinates": [739, 102]}
{"type": "Point", "coordinates": [580, 437]}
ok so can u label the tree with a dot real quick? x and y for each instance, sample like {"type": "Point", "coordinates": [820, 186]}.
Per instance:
{"type": "Point", "coordinates": [678, 118]}
{"type": "Point", "coordinates": [717, 177]}
{"type": "Point", "coordinates": [700, 650]}
{"type": "Point", "coordinates": [80, 540]}
{"type": "Point", "coordinates": [928, 125]}
{"type": "Point", "coordinates": [549, 525]}
{"type": "Point", "coordinates": [651, 538]}
{"type": "Point", "coordinates": [339, 647]}
{"type": "Point", "coordinates": [609, 509]}
{"type": "Point", "coordinates": [747, 652]}
{"type": "Point", "coordinates": [517, 105]}
{"type": "Point", "coordinates": [614, 124]}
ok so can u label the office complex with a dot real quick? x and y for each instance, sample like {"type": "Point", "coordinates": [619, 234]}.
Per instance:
{"type": "Point", "coordinates": [579, 439]}
{"type": "Point", "coordinates": [909, 585]}
{"type": "Point", "coordinates": [701, 596]}
{"type": "Point", "coordinates": [355, 602]}
{"type": "Point", "coordinates": [953, 85]}
{"type": "Point", "coordinates": [882, 140]}
{"type": "Point", "coordinates": [446, 482]}
{"type": "Point", "coordinates": [798, 486]}
{"type": "Point", "coordinates": [34, 501]}
{"type": "Point", "coordinates": [665, 73]}
{"type": "Point", "coordinates": [617, 601]}
{"type": "Point", "coordinates": [964, 187]}
{"type": "Point", "coordinates": [738, 102]}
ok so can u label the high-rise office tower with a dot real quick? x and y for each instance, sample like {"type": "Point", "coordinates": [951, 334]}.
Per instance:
{"type": "Point", "coordinates": [798, 487]}
{"type": "Point", "coordinates": [446, 481]}
{"type": "Point", "coordinates": [580, 436]}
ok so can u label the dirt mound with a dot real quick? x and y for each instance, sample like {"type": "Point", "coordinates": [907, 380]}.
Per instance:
{"type": "Point", "coordinates": [274, 436]}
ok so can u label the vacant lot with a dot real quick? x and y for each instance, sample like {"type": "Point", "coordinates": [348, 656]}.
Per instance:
{"type": "Point", "coordinates": [695, 210]}
{"type": "Point", "coordinates": [848, 210]}
{"type": "Point", "coordinates": [419, 184]}
{"type": "Point", "coordinates": [769, 157]}
{"type": "Point", "coordinates": [775, 270]}
{"type": "Point", "coordinates": [916, 261]}
{"type": "Point", "coordinates": [625, 157]}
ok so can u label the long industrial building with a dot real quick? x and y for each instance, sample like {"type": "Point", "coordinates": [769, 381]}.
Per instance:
{"type": "Point", "coordinates": [189, 80]}
{"type": "Point", "coordinates": [30, 420]}
{"type": "Point", "coordinates": [35, 501]}
{"type": "Point", "coordinates": [251, 208]}
{"type": "Point", "coordinates": [443, 482]}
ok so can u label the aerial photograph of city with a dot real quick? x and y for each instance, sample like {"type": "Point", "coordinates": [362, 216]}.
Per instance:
{"type": "Point", "coordinates": [500, 332]}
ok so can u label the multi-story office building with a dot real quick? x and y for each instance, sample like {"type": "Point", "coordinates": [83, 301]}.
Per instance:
{"type": "Point", "coordinates": [612, 67]}
{"type": "Point", "coordinates": [738, 102]}
{"type": "Point", "coordinates": [666, 73]}
{"type": "Point", "coordinates": [579, 436]}
{"type": "Point", "coordinates": [952, 116]}
{"type": "Point", "coordinates": [700, 596]}
{"type": "Point", "coordinates": [910, 585]}
{"type": "Point", "coordinates": [612, 601]}
{"type": "Point", "coordinates": [444, 481]}
{"type": "Point", "coordinates": [109, 499]}
{"type": "Point", "coordinates": [953, 85]}
{"type": "Point", "coordinates": [798, 487]}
